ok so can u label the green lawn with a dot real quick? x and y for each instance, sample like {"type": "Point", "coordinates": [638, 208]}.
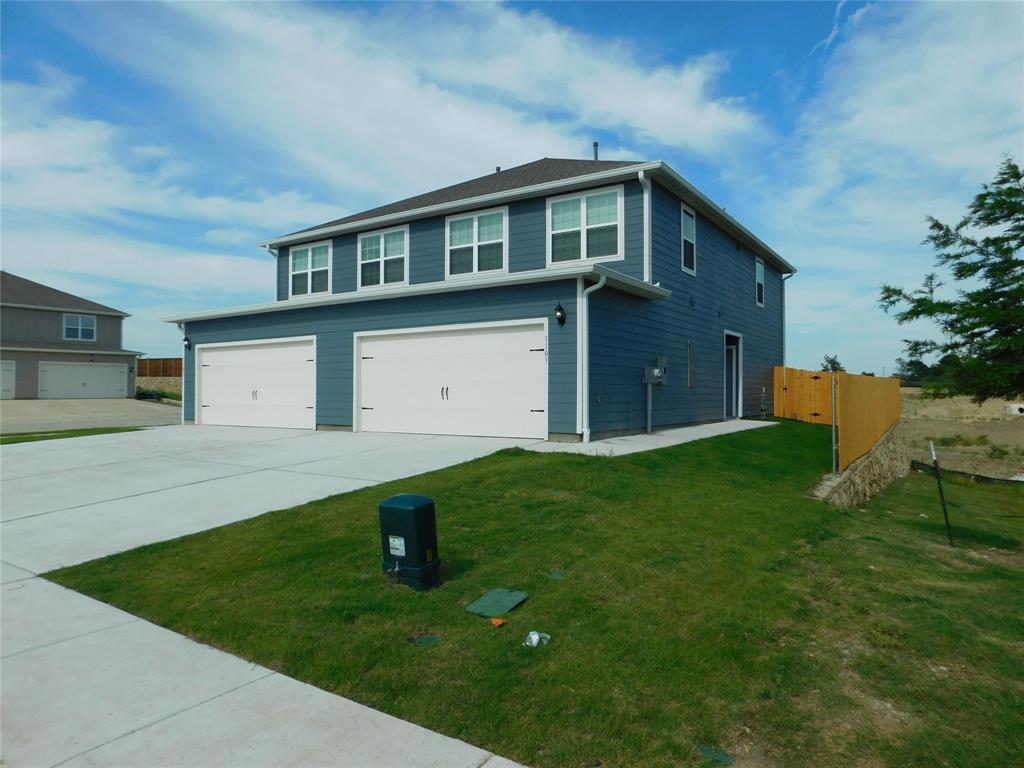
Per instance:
{"type": "Point", "coordinates": [695, 595]}
{"type": "Point", "coordinates": [60, 434]}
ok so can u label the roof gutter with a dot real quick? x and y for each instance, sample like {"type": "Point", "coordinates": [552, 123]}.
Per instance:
{"type": "Point", "coordinates": [597, 272]}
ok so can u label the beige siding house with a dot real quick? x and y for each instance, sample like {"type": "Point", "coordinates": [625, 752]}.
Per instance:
{"type": "Point", "coordinates": [54, 345]}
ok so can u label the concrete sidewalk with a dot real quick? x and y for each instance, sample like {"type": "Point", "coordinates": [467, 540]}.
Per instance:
{"type": "Point", "coordinates": [88, 685]}
{"type": "Point", "coordinates": [621, 446]}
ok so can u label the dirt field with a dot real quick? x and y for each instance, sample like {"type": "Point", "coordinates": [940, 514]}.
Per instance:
{"type": "Point", "coordinates": [983, 439]}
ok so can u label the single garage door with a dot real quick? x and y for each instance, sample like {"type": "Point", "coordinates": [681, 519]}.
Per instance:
{"type": "Point", "coordinates": [6, 380]}
{"type": "Point", "coordinates": [71, 381]}
{"type": "Point", "coordinates": [262, 384]}
{"type": "Point", "coordinates": [490, 381]}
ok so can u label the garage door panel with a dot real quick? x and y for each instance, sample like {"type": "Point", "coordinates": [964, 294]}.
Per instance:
{"type": "Point", "coordinates": [88, 381]}
{"type": "Point", "coordinates": [268, 384]}
{"type": "Point", "coordinates": [487, 381]}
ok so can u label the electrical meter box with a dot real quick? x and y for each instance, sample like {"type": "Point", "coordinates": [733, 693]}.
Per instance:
{"type": "Point", "coordinates": [408, 537]}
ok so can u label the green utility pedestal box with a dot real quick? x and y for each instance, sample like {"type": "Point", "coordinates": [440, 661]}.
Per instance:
{"type": "Point", "coordinates": [408, 537]}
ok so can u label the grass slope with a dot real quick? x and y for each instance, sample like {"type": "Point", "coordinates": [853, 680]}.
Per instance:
{"type": "Point", "coordinates": [32, 437]}
{"type": "Point", "coordinates": [705, 601]}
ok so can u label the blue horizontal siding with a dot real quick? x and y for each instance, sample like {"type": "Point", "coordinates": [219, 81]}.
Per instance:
{"type": "Point", "coordinates": [527, 246]}
{"type": "Point", "coordinates": [627, 334]}
{"type": "Point", "coordinates": [333, 327]}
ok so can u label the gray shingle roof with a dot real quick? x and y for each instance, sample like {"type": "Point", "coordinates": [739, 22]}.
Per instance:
{"type": "Point", "coordinates": [537, 172]}
{"type": "Point", "coordinates": [18, 290]}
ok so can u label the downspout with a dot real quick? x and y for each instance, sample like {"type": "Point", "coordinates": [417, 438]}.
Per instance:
{"type": "Point", "coordinates": [645, 182]}
{"type": "Point", "coordinates": [584, 351]}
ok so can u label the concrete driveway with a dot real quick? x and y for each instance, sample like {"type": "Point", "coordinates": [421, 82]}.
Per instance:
{"type": "Point", "coordinates": [41, 415]}
{"type": "Point", "coordinates": [85, 684]}
{"type": "Point", "coordinates": [68, 501]}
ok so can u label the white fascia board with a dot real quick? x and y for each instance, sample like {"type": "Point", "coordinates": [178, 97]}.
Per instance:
{"type": "Point", "coordinates": [468, 203]}
{"type": "Point", "coordinates": [616, 280]}
{"type": "Point", "coordinates": [697, 198]}
{"type": "Point", "coordinates": [79, 311]}
{"type": "Point", "coordinates": [56, 350]}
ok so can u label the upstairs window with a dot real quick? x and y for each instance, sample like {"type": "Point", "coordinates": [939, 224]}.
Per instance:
{"type": "Point", "coordinates": [689, 229]}
{"type": "Point", "coordinates": [79, 328]}
{"type": "Point", "coordinates": [585, 226]}
{"type": "Point", "coordinates": [476, 243]}
{"type": "Point", "coordinates": [759, 282]}
{"type": "Point", "coordinates": [310, 269]}
{"type": "Point", "coordinates": [382, 258]}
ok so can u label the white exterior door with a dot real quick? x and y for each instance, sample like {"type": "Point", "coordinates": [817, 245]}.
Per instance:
{"type": "Point", "coordinates": [7, 380]}
{"type": "Point", "coordinates": [72, 381]}
{"type": "Point", "coordinates": [264, 384]}
{"type": "Point", "coordinates": [488, 381]}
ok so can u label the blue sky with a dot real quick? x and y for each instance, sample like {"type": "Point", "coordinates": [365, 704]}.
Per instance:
{"type": "Point", "coordinates": [148, 147]}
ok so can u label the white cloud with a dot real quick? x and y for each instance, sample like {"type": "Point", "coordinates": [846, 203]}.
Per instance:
{"type": "Point", "coordinates": [230, 236]}
{"type": "Point", "coordinates": [57, 163]}
{"type": "Point", "coordinates": [916, 107]}
{"type": "Point", "coordinates": [402, 99]}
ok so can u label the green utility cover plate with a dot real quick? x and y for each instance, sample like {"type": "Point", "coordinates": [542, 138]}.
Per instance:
{"type": "Point", "coordinates": [497, 602]}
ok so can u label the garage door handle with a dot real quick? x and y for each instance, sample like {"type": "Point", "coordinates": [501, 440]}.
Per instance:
{"type": "Point", "coordinates": [444, 393]}
{"type": "Point", "coordinates": [536, 410]}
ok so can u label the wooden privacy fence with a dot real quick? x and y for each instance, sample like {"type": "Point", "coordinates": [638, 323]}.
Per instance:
{"type": "Point", "coordinates": [158, 366]}
{"type": "Point", "coordinates": [865, 406]}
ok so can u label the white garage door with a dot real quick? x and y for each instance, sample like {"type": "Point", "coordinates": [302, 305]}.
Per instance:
{"type": "Point", "coordinates": [69, 381]}
{"type": "Point", "coordinates": [7, 380]}
{"type": "Point", "coordinates": [490, 381]}
{"type": "Point", "coordinates": [265, 384]}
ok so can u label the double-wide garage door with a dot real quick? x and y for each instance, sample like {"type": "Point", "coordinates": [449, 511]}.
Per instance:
{"type": "Point", "coordinates": [66, 381]}
{"type": "Point", "coordinates": [488, 381]}
{"type": "Point", "coordinates": [263, 384]}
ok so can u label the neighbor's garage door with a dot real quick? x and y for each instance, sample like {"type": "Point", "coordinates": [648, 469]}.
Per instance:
{"type": "Point", "coordinates": [7, 380]}
{"type": "Point", "coordinates": [490, 381]}
{"type": "Point", "coordinates": [68, 381]}
{"type": "Point", "coordinates": [265, 384]}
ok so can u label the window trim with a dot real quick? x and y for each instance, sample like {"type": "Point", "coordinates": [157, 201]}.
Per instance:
{"type": "Point", "coordinates": [683, 210]}
{"type": "Point", "coordinates": [475, 215]}
{"type": "Point", "coordinates": [759, 262]}
{"type": "Point", "coordinates": [79, 315]}
{"type": "Point", "coordinates": [404, 229]}
{"type": "Point", "coordinates": [309, 269]}
{"type": "Point", "coordinates": [619, 189]}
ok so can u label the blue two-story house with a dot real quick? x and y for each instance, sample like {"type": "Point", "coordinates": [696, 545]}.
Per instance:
{"type": "Point", "coordinates": [524, 303]}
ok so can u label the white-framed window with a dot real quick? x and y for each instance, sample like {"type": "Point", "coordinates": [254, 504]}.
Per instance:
{"type": "Point", "coordinates": [382, 258]}
{"type": "Point", "coordinates": [79, 327]}
{"type": "Point", "coordinates": [688, 222]}
{"type": "Point", "coordinates": [585, 225]}
{"type": "Point", "coordinates": [476, 242]}
{"type": "Point", "coordinates": [759, 281]}
{"type": "Point", "coordinates": [310, 269]}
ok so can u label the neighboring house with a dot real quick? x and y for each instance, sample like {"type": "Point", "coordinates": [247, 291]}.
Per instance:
{"type": "Point", "coordinates": [54, 345]}
{"type": "Point", "coordinates": [524, 303]}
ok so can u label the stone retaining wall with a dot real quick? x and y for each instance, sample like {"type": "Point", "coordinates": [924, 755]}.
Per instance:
{"type": "Point", "coordinates": [869, 474]}
{"type": "Point", "coordinates": [164, 383]}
